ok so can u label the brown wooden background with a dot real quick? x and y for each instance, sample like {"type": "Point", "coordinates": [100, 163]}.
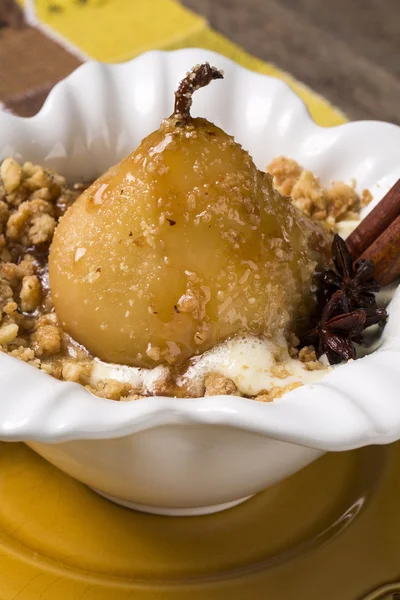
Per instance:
{"type": "Point", "coordinates": [347, 50]}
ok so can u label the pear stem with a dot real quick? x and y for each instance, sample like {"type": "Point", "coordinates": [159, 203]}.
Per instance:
{"type": "Point", "coordinates": [198, 77]}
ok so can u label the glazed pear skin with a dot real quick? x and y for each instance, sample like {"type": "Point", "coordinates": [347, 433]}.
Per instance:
{"type": "Point", "coordinates": [181, 245]}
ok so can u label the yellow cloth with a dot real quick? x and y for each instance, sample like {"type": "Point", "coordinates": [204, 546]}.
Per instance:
{"type": "Point", "coordinates": [117, 30]}
{"type": "Point", "coordinates": [320, 109]}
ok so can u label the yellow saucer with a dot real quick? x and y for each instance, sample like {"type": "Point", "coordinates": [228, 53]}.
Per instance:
{"type": "Point", "coordinates": [330, 532]}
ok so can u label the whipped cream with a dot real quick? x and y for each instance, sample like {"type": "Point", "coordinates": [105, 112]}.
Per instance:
{"type": "Point", "coordinates": [253, 364]}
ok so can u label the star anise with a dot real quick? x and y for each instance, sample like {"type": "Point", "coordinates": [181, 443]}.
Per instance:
{"type": "Point", "coordinates": [374, 316]}
{"type": "Point", "coordinates": [337, 329]}
{"type": "Point", "coordinates": [355, 280]}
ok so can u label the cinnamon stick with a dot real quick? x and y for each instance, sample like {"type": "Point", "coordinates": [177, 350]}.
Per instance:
{"type": "Point", "coordinates": [384, 252]}
{"type": "Point", "coordinates": [376, 223]}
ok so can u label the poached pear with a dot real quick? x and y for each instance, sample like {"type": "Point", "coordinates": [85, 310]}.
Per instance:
{"type": "Point", "coordinates": [181, 245]}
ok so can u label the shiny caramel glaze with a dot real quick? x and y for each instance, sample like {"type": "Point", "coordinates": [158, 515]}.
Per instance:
{"type": "Point", "coordinates": [181, 245]}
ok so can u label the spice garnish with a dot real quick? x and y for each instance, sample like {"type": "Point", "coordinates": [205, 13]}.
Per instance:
{"type": "Point", "coordinates": [377, 238]}
{"type": "Point", "coordinates": [355, 279]}
{"type": "Point", "coordinates": [376, 222]}
{"type": "Point", "coordinates": [385, 254]}
{"type": "Point", "coordinates": [347, 305]}
{"type": "Point", "coordinates": [337, 329]}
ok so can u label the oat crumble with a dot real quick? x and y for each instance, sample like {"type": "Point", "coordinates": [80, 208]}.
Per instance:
{"type": "Point", "coordinates": [329, 206]}
{"type": "Point", "coordinates": [218, 385]}
{"type": "Point", "coordinates": [32, 200]}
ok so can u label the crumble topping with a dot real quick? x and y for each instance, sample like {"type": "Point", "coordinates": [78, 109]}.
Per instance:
{"type": "Point", "coordinates": [329, 206]}
{"type": "Point", "coordinates": [218, 385]}
{"type": "Point", "coordinates": [308, 356]}
{"type": "Point", "coordinates": [32, 200]}
{"type": "Point", "coordinates": [277, 392]}
{"type": "Point", "coordinates": [113, 390]}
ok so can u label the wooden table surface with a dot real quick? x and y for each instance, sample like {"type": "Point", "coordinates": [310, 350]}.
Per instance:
{"type": "Point", "coordinates": [347, 50]}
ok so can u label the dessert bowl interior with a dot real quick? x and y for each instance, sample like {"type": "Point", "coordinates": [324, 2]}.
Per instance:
{"type": "Point", "coordinates": [189, 455]}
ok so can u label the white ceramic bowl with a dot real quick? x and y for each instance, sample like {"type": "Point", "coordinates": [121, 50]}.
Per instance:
{"type": "Point", "coordinates": [195, 456]}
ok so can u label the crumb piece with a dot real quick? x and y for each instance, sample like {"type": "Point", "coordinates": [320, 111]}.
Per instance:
{"type": "Point", "coordinates": [42, 229]}
{"type": "Point", "coordinates": [8, 333]}
{"type": "Point", "coordinates": [31, 293]}
{"type": "Point", "coordinates": [10, 308]}
{"type": "Point", "coordinates": [46, 340]}
{"type": "Point", "coordinates": [188, 302]}
{"type": "Point", "coordinates": [309, 196]}
{"type": "Point", "coordinates": [79, 253]}
{"type": "Point", "coordinates": [308, 356]}
{"type": "Point", "coordinates": [149, 233]}
{"type": "Point", "coordinates": [18, 197]}
{"type": "Point", "coordinates": [14, 274]}
{"type": "Point", "coordinates": [76, 371]}
{"type": "Point", "coordinates": [38, 178]}
{"type": "Point", "coordinates": [19, 342]}
{"type": "Point", "coordinates": [276, 392]}
{"type": "Point", "coordinates": [35, 363]}
{"type": "Point", "coordinates": [6, 293]}
{"type": "Point", "coordinates": [342, 199]}
{"type": "Point", "coordinates": [153, 352]}
{"type": "Point", "coordinates": [24, 354]}
{"type": "Point", "coordinates": [217, 385]}
{"type": "Point", "coordinates": [279, 371]}
{"type": "Point", "coordinates": [42, 193]}
{"type": "Point", "coordinates": [280, 354]}
{"type": "Point", "coordinates": [264, 396]}
{"type": "Point", "coordinates": [4, 215]}
{"type": "Point", "coordinates": [171, 352]}
{"type": "Point", "coordinates": [25, 218]}
{"type": "Point", "coordinates": [315, 365]}
{"type": "Point", "coordinates": [52, 368]}
{"type": "Point", "coordinates": [10, 173]}
{"type": "Point", "coordinates": [366, 198]}
{"type": "Point", "coordinates": [111, 389]}
{"type": "Point", "coordinates": [285, 173]}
